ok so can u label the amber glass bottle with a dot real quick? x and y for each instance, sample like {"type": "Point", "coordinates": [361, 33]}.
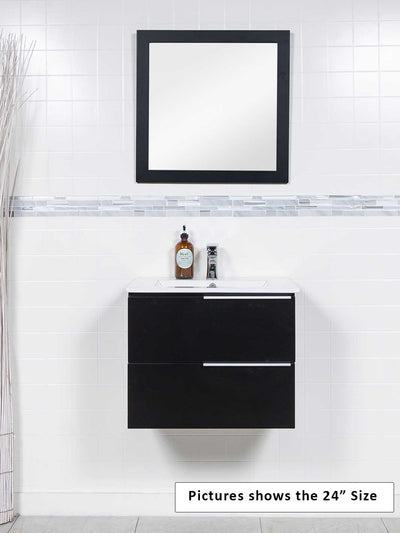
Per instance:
{"type": "Point", "coordinates": [184, 257]}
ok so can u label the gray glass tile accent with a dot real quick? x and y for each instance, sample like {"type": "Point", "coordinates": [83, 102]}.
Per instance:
{"type": "Point", "coordinates": [206, 206]}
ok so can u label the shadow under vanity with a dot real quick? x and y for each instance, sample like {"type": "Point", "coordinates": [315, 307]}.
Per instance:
{"type": "Point", "coordinates": [220, 357]}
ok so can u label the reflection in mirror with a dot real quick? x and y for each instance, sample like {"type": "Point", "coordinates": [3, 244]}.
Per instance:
{"type": "Point", "coordinates": [212, 106]}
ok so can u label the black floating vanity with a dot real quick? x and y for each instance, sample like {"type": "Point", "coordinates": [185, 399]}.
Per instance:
{"type": "Point", "coordinates": [221, 357]}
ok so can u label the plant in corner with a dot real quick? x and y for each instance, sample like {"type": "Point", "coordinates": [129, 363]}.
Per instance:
{"type": "Point", "coordinates": [15, 56]}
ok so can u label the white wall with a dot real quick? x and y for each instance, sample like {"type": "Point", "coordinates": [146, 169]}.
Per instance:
{"type": "Point", "coordinates": [345, 103]}
{"type": "Point", "coordinates": [70, 345]}
{"type": "Point", "coordinates": [69, 274]}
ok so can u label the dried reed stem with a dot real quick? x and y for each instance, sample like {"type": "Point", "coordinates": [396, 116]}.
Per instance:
{"type": "Point", "coordinates": [14, 60]}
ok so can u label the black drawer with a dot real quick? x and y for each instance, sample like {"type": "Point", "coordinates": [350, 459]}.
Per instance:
{"type": "Point", "coordinates": [197, 396]}
{"type": "Point", "coordinates": [196, 328]}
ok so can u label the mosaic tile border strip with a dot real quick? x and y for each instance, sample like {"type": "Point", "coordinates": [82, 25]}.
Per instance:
{"type": "Point", "coordinates": [206, 206]}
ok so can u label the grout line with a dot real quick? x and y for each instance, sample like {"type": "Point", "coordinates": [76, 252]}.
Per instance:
{"type": "Point", "coordinates": [173, 9]}
{"type": "Point", "coordinates": [380, 158]}
{"type": "Point", "coordinates": [260, 523]}
{"type": "Point", "coordinates": [14, 522]}
{"type": "Point", "coordinates": [136, 525]}
{"type": "Point", "coordinates": [384, 525]}
{"type": "Point", "coordinates": [354, 123]}
{"type": "Point", "coordinates": [308, 20]}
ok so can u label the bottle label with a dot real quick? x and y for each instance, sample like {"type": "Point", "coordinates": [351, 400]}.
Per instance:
{"type": "Point", "coordinates": [184, 258]}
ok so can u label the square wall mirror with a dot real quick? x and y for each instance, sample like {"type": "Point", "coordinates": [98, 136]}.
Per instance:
{"type": "Point", "coordinates": [212, 106]}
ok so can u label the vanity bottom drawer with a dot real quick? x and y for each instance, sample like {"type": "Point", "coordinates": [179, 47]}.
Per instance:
{"type": "Point", "coordinates": [197, 396]}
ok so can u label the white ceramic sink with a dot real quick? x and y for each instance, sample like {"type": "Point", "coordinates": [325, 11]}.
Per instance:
{"type": "Point", "coordinates": [237, 285]}
{"type": "Point", "coordinates": [211, 284]}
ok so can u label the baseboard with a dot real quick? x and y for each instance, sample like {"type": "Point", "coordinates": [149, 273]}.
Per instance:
{"type": "Point", "coordinates": [118, 504]}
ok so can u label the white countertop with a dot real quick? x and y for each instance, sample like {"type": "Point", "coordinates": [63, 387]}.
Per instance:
{"type": "Point", "coordinates": [227, 285]}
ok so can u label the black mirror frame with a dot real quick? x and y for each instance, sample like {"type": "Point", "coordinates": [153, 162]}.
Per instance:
{"type": "Point", "coordinates": [144, 175]}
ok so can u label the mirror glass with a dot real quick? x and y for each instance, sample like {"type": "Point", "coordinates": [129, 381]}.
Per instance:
{"type": "Point", "coordinates": [212, 106]}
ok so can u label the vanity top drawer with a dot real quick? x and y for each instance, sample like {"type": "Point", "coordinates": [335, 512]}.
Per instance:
{"type": "Point", "coordinates": [178, 328]}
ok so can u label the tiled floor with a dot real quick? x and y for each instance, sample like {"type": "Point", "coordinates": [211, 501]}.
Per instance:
{"type": "Point", "coordinates": [65, 524]}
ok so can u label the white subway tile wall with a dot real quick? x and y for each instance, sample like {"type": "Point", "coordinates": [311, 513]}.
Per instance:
{"type": "Point", "coordinates": [69, 336]}
{"type": "Point", "coordinates": [79, 122]}
{"type": "Point", "coordinates": [69, 273]}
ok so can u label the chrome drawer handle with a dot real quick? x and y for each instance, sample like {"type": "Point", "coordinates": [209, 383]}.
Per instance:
{"type": "Point", "coordinates": [247, 364]}
{"type": "Point", "coordinates": [206, 297]}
